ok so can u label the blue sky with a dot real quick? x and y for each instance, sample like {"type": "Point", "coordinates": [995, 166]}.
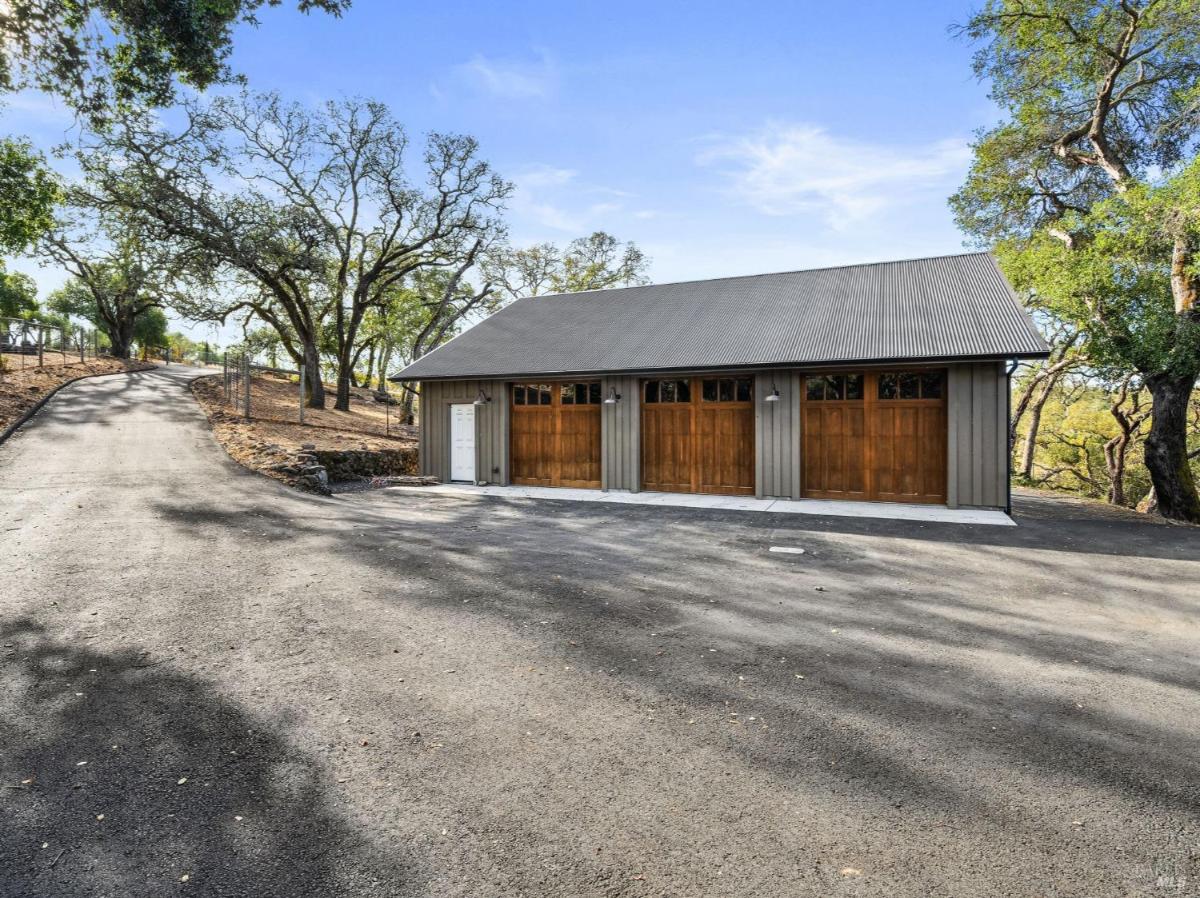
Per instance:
{"type": "Point", "coordinates": [788, 135]}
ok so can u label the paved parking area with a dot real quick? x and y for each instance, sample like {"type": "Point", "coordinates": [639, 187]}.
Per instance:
{"type": "Point", "coordinates": [393, 693]}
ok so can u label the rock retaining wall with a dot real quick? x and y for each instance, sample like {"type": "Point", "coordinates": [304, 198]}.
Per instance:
{"type": "Point", "coordinates": [352, 464]}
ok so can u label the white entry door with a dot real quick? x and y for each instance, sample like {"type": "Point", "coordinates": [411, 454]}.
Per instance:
{"type": "Point", "coordinates": [462, 442]}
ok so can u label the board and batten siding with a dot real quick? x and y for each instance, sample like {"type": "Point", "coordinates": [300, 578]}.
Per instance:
{"type": "Point", "coordinates": [976, 433]}
{"type": "Point", "coordinates": [621, 435]}
{"type": "Point", "coordinates": [977, 459]}
{"type": "Point", "coordinates": [777, 436]}
{"type": "Point", "coordinates": [491, 428]}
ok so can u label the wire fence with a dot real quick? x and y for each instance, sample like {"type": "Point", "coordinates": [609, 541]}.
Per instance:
{"type": "Point", "coordinates": [28, 344]}
{"type": "Point", "coordinates": [272, 395]}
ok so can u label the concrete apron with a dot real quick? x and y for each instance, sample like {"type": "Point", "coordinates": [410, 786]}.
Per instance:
{"type": "Point", "coordinates": [892, 511]}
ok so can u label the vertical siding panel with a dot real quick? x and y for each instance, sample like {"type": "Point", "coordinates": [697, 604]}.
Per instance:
{"type": "Point", "coordinates": [987, 418]}
{"type": "Point", "coordinates": [976, 429]}
{"type": "Point", "coordinates": [634, 433]}
{"type": "Point", "coordinates": [977, 401]}
{"type": "Point", "coordinates": [762, 433]}
{"type": "Point", "coordinates": [954, 395]}
{"type": "Point", "coordinates": [491, 427]}
{"type": "Point", "coordinates": [778, 456]}
{"type": "Point", "coordinates": [796, 437]}
{"type": "Point", "coordinates": [777, 436]}
{"type": "Point", "coordinates": [620, 435]}
{"type": "Point", "coordinates": [1004, 462]}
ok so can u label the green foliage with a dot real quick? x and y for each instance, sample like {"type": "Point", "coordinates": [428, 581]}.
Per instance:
{"type": "Point", "coordinates": [595, 262]}
{"type": "Point", "coordinates": [73, 298]}
{"type": "Point", "coordinates": [1048, 64]}
{"type": "Point", "coordinates": [1088, 190]}
{"type": "Point", "coordinates": [99, 54]}
{"type": "Point", "coordinates": [18, 295]}
{"type": "Point", "coordinates": [1069, 456]}
{"type": "Point", "coordinates": [1114, 278]}
{"type": "Point", "coordinates": [28, 194]}
{"type": "Point", "coordinates": [150, 329]}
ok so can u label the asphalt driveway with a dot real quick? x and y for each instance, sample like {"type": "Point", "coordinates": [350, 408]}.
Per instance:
{"type": "Point", "coordinates": [210, 685]}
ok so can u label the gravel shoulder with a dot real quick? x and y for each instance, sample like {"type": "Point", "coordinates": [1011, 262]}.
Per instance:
{"type": "Point", "coordinates": [387, 693]}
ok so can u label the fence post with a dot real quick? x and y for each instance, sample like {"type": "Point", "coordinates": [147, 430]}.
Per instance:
{"type": "Point", "coordinates": [246, 365]}
{"type": "Point", "coordinates": [41, 344]}
{"type": "Point", "coordinates": [79, 336]}
{"type": "Point", "coordinates": [302, 376]}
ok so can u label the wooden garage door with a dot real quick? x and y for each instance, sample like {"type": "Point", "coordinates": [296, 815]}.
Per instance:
{"type": "Point", "coordinates": [698, 435]}
{"type": "Point", "coordinates": [555, 434]}
{"type": "Point", "coordinates": [875, 436]}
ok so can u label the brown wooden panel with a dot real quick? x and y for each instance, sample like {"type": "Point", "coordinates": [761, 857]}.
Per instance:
{"type": "Point", "coordinates": [533, 442]}
{"type": "Point", "coordinates": [579, 446]}
{"type": "Point", "coordinates": [667, 447]}
{"type": "Point", "coordinates": [834, 450]}
{"type": "Point", "coordinates": [701, 445]}
{"type": "Point", "coordinates": [725, 448]}
{"type": "Point", "coordinates": [556, 444]}
{"type": "Point", "coordinates": [873, 448]}
{"type": "Point", "coordinates": [910, 451]}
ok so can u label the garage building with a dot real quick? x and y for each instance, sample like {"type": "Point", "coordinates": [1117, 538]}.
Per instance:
{"type": "Point", "coordinates": [881, 382]}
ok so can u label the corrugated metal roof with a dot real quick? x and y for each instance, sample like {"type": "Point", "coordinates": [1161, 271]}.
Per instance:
{"type": "Point", "coordinates": [940, 308]}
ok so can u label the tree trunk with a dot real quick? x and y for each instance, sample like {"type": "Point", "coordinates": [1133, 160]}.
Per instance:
{"type": "Point", "coordinates": [1025, 469]}
{"type": "Point", "coordinates": [314, 388]}
{"type": "Point", "coordinates": [121, 338]}
{"type": "Point", "coordinates": [1114, 460]}
{"type": "Point", "coordinates": [1166, 448]}
{"type": "Point", "coordinates": [385, 360]}
{"type": "Point", "coordinates": [342, 400]}
{"type": "Point", "coordinates": [407, 396]}
{"type": "Point", "coordinates": [370, 366]}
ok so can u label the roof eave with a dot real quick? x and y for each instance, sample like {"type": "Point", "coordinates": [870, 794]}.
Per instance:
{"type": "Point", "coordinates": [760, 366]}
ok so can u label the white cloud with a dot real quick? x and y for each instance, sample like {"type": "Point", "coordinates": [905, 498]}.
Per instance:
{"type": "Point", "coordinates": [551, 198]}
{"type": "Point", "coordinates": [36, 106]}
{"type": "Point", "coordinates": [789, 169]}
{"type": "Point", "coordinates": [511, 79]}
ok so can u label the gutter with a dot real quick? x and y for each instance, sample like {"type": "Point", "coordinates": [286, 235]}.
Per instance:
{"type": "Point", "coordinates": [1008, 373]}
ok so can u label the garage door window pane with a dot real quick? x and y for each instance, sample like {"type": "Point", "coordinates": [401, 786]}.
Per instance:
{"type": "Point", "coordinates": [594, 394]}
{"type": "Point", "coordinates": [567, 394]}
{"type": "Point", "coordinates": [910, 386]}
{"type": "Point", "coordinates": [652, 391]}
{"type": "Point", "coordinates": [543, 394]}
{"type": "Point", "coordinates": [854, 386]}
{"type": "Point", "coordinates": [519, 394]}
{"type": "Point", "coordinates": [835, 386]}
{"type": "Point", "coordinates": [889, 386]}
{"type": "Point", "coordinates": [931, 385]}
{"type": "Point", "coordinates": [745, 391]}
{"type": "Point", "coordinates": [725, 389]}
{"type": "Point", "coordinates": [683, 391]}
{"type": "Point", "coordinates": [708, 390]}
{"type": "Point", "coordinates": [666, 391]}
{"type": "Point", "coordinates": [814, 388]}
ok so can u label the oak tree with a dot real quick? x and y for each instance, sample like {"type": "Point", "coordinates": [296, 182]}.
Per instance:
{"type": "Point", "coordinates": [1088, 190]}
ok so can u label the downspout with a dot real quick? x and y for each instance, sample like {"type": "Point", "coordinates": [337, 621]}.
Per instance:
{"type": "Point", "coordinates": [1008, 373]}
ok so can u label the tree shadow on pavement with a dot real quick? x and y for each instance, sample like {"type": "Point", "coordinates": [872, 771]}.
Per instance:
{"type": "Point", "coordinates": [123, 777]}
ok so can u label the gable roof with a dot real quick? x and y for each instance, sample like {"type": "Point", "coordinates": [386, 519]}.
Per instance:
{"type": "Point", "coordinates": [943, 308]}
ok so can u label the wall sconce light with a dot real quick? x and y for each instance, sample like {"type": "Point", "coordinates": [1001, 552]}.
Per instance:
{"type": "Point", "coordinates": [613, 397]}
{"type": "Point", "coordinates": [482, 398]}
{"type": "Point", "coordinates": [773, 396]}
